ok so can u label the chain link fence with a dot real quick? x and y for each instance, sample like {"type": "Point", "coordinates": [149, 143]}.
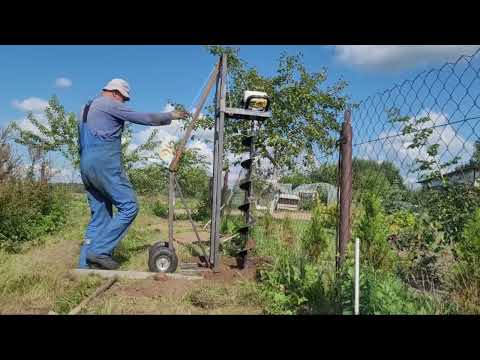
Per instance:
{"type": "Point", "coordinates": [425, 126]}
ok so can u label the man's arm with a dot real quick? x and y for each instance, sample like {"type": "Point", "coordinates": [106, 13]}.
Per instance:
{"type": "Point", "coordinates": [152, 119]}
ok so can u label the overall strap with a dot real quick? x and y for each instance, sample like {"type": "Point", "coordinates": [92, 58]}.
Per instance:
{"type": "Point", "coordinates": [81, 133]}
{"type": "Point", "coordinates": [85, 111]}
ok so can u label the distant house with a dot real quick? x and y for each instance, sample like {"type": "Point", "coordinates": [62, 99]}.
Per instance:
{"type": "Point", "coordinates": [311, 191]}
{"type": "Point", "coordinates": [469, 174]}
{"type": "Point", "coordinates": [286, 202]}
{"type": "Point", "coordinates": [288, 197]}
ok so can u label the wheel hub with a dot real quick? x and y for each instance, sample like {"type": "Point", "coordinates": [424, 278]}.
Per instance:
{"type": "Point", "coordinates": [163, 263]}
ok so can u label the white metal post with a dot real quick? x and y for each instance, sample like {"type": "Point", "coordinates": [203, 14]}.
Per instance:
{"type": "Point", "coordinates": [357, 276]}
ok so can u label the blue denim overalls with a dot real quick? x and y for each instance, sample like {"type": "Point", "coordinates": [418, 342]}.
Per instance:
{"type": "Point", "coordinates": [106, 184]}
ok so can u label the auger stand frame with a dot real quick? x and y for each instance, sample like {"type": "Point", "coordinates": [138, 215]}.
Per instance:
{"type": "Point", "coordinates": [162, 257]}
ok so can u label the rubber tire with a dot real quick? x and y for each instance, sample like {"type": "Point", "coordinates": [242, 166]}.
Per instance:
{"type": "Point", "coordinates": [158, 244]}
{"type": "Point", "coordinates": [158, 251]}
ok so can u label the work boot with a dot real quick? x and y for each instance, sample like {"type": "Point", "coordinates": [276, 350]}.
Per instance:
{"type": "Point", "coordinates": [102, 262]}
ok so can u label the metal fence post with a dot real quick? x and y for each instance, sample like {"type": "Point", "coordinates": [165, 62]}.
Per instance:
{"type": "Point", "coordinates": [345, 186]}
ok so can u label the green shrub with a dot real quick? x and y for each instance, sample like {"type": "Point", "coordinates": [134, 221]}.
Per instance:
{"type": "Point", "coordinates": [465, 278]}
{"type": "Point", "coordinates": [382, 293]}
{"type": "Point", "coordinates": [319, 233]}
{"type": "Point", "coordinates": [425, 258]}
{"type": "Point", "coordinates": [452, 206]}
{"type": "Point", "coordinates": [306, 204]}
{"type": "Point", "coordinates": [292, 283]}
{"type": "Point", "coordinates": [295, 286]}
{"type": "Point", "coordinates": [181, 216]}
{"type": "Point", "coordinates": [160, 209]}
{"type": "Point", "coordinates": [29, 210]}
{"type": "Point", "coordinates": [373, 233]}
{"type": "Point", "coordinates": [202, 213]}
{"type": "Point", "coordinates": [230, 224]}
{"type": "Point", "coordinates": [469, 248]}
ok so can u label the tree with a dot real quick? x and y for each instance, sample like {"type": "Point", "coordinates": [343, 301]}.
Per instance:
{"type": "Point", "coordinates": [58, 133]}
{"type": "Point", "coordinates": [9, 161]}
{"type": "Point", "coordinates": [429, 167]}
{"type": "Point", "coordinates": [296, 178]}
{"type": "Point", "coordinates": [304, 111]}
{"type": "Point", "coordinates": [152, 177]}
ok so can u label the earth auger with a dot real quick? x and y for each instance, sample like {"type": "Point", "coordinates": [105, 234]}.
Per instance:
{"type": "Point", "coordinates": [162, 256]}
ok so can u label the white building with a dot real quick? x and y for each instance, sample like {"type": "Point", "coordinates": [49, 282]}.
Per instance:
{"type": "Point", "coordinates": [465, 175]}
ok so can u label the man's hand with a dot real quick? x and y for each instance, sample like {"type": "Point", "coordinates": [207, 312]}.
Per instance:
{"type": "Point", "coordinates": [179, 114]}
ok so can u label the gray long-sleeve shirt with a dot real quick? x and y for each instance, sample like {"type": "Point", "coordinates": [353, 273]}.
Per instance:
{"type": "Point", "coordinates": [106, 117]}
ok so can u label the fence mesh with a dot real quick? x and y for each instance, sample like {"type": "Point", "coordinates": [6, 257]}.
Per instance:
{"type": "Point", "coordinates": [426, 125]}
{"type": "Point", "coordinates": [425, 129]}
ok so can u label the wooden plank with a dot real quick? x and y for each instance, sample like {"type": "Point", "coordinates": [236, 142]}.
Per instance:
{"type": "Point", "coordinates": [135, 275]}
{"type": "Point", "coordinates": [97, 292]}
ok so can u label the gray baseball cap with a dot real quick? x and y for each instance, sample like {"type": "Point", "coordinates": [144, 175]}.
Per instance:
{"type": "Point", "coordinates": [120, 85]}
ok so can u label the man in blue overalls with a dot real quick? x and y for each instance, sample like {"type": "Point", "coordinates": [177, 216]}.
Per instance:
{"type": "Point", "coordinates": [106, 184]}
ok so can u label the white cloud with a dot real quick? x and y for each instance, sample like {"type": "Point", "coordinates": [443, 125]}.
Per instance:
{"type": "Point", "coordinates": [63, 82]}
{"type": "Point", "coordinates": [26, 124]}
{"type": "Point", "coordinates": [395, 57]}
{"type": "Point", "coordinates": [33, 104]}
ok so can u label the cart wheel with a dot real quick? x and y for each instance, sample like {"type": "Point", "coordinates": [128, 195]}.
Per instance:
{"type": "Point", "coordinates": [162, 259]}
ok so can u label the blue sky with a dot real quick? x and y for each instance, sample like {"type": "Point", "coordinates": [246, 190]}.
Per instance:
{"type": "Point", "coordinates": [28, 74]}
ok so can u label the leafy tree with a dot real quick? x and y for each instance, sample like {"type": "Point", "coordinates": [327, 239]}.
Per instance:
{"type": "Point", "coordinates": [9, 161]}
{"type": "Point", "coordinates": [153, 178]}
{"type": "Point", "coordinates": [59, 133]}
{"type": "Point", "coordinates": [430, 167]}
{"type": "Point", "coordinates": [296, 178]}
{"type": "Point", "coordinates": [304, 110]}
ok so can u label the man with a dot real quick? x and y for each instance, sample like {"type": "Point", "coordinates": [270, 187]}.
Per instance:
{"type": "Point", "coordinates": [100, 130]}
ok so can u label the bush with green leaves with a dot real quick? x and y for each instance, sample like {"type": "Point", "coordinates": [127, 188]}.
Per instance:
{"type": "Point", "coordinates": [469, 248]}
{"type": "Point", "coordinates": [203, 210]}
{"type": "Point", "coordinates": [465, 279]}
{"type": "Point", "coordinates": [452, 206]}
{"type": "Point", "coordinates": [321, 230]}
{"type": "Point", "coordinates": [294, 286]}
{"type": "Point", "coordinates": [29, 210]}
{"type": "Point", "coordinates": [306, 204]}
{"type": "Point", "coordinates": [382, 293]}
{"type": "Point", "coordinates": [160, 209]}
{"type": "Point", "coordinates": [372, 230]}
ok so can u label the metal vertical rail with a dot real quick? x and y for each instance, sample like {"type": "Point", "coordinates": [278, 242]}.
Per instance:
{"type": "Point", "coordinates": [171, 208]}
{"type": "Point", "coordinates": [217, 166]}
{"type": "Point", "coordinates": [221, 127]}
{"type": "Point", "coordinates": [345, 186]}
{"type": "Point", "coordinates": [214, 177]}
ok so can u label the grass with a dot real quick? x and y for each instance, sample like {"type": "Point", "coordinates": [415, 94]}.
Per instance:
{"type": "Point", "coordinates": [36, 280]}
